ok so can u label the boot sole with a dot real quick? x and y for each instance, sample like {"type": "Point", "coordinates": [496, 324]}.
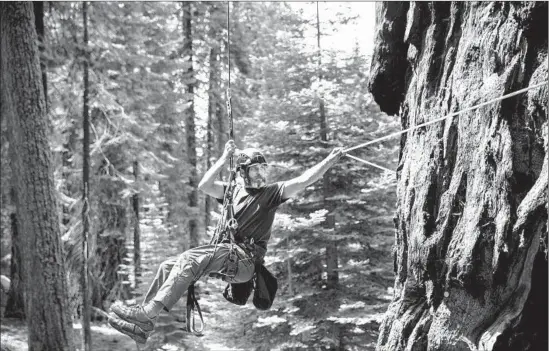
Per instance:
{"type": "Point", "coordinates": [146, 327]}
{"type": "Point", "coordinates": [115, 323]}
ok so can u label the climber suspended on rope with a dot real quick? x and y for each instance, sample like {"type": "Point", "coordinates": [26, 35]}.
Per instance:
{"type": "Point", "coordinates": [254, 203]}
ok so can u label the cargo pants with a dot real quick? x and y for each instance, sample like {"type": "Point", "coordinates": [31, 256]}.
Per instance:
{"type": "Point", "coordinates": [175, 275]}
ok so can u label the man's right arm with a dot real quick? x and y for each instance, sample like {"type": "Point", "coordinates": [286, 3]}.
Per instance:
{"type": "Point", "coordinates": [209, 184]}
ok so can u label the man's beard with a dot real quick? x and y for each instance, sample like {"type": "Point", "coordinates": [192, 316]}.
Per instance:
{"type": "Point", "coordinates": [258, 182]}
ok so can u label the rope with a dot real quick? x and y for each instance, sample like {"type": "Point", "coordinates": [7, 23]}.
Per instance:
{"type": "Point", "coordinates": [229, 42]}
{"type": "Point", "coordinates": [442, 118]}
{"type": "Point", "coordinates": [226, 222]}
{"type": "Point", "coordinates": [229, 104]}
{"type": "Point", "coordinates": [370, 163]}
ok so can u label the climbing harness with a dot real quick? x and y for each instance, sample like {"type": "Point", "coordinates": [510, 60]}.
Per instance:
{"type": "Point", "coordinates": [453, 114]}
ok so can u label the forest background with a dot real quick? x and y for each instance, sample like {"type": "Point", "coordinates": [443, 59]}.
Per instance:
{"type": "Point", "coordinates": [157, 75]}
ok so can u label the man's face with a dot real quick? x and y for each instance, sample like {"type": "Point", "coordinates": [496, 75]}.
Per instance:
{"type": "Point", "coordinates": [257, 175]}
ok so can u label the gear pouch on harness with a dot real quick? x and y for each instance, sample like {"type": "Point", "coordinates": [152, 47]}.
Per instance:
{"type": "Point", "coordinates": [238, 293]}
{"type": "Point", "coordinates": [264, 285]}
{"type": "Point", "coordinates": [265, 288]}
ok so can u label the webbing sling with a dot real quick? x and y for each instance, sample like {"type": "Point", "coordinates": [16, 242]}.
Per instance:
{"type": "Point", "coordinates": [192, 303]}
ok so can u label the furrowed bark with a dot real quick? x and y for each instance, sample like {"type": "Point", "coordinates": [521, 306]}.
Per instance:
{"type": "Point", "coordinates": [44, 278]}
{"type": "Point", "coordinates": [472, 190]}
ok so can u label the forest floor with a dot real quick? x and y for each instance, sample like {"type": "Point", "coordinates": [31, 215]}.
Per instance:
{"type": "Point", "coordinates": [224, 329]}
{"type": "Point", "coordinates": [169, 335]}
{"type": "Point", "coordinates": [221, 320]}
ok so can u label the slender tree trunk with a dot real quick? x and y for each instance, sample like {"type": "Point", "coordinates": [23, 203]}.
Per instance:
{"type": "Point", "coordinates": [472, 190]}
{"type": "Point", "coordinates": [222, 129]}
{"type": "Point", "coordinates": [238, 50]}
{"type": "Point", "coordinates": [331, 248]}
{"type": "Point", "coordinates": [208, 152]}
{"type": "Point", "coordinates": [86, 301]}
{"type": "Point", "coordinates": [136, 229]}
{"type": "Point", "coordinates": [46, 301]}
{"type": "Point", "coordinates": [222, 136]}
{"type": "Point", "coordinates": [213, 103]}
{"type": "Point", "coordinates": [15, 305]}
{"type": "Point", "coordinates": [289, 266]}
{"type": "Point", "coordinates": [190, 126]}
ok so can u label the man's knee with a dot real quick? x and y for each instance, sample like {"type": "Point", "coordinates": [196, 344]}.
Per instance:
{"type": "Point", "coordinates": [186, 263]}
{"type": "Point", "coordinates": [166, 266]}
{"type": "Point", "coordinates": [194, 262]}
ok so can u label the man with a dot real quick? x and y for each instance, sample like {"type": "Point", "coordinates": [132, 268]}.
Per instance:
{"type": "Point", "coordinates": [255, 202]}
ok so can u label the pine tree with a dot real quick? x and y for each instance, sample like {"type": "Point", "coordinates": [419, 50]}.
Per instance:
{"type": "Point", "coordinates": [190, 125]}
{"type": "Point", "coordinates": [86, 307]}
{"type": "Point", "coordinates": [46, 302]}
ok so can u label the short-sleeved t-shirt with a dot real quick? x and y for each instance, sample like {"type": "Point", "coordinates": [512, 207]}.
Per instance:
{"type": "Point", "coordinates": [255, 213]}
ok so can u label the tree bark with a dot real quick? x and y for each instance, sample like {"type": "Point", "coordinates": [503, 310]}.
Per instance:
{"type": "Point", "coordinates": [38, 7]}
{"type": "Point", "coordinates": [46, 301]}
{"type": "Point", "coordinates": [190, 126]}
{"type": "Point", "coordinates": [472, 190]}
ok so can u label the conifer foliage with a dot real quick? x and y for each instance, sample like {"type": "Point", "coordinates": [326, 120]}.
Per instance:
{"type": "Point", "coordinates": [155, 76]}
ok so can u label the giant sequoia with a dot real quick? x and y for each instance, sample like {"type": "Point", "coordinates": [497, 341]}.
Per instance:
{"type": "Point", "coordinates": [472, 190]}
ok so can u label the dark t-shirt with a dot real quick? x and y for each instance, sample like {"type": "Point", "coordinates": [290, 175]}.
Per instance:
{"type": "Point", "coordinates": [255, 213]}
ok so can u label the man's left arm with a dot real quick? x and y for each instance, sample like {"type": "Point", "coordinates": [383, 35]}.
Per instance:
{"type": "Point", "coordinates": [297, 184]}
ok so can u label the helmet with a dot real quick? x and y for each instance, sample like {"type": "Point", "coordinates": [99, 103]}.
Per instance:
{"type": "Point", "coordinates": [248, 157]}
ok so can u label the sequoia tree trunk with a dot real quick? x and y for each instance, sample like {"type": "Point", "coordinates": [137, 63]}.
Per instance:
{"type": "Point", "coordinates": [472, 190]}
{"type": "Point", "coordinates": [46, 301]}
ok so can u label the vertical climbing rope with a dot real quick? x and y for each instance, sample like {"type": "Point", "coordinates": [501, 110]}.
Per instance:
{"type": "Point", "coordinates": [229, 107]}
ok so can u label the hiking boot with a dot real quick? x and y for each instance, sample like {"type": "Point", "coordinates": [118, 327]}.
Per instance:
{"type": "Point", "coordinates": [135, 315]}
{"type": "Point", "coordinates": [130, 329]}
